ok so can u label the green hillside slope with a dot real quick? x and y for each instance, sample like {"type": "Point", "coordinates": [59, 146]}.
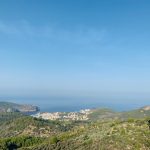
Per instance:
{"type": "Point", "coordinates": [105, 130]}
{"type": "Point", "coordinates": [132, 134]}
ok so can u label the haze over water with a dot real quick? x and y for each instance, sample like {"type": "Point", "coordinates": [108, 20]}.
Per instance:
{"type": "Point", "coordinates": [67, 104]}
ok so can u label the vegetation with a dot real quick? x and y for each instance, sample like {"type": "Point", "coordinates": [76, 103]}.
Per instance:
{"type": "Point", "coordinates": [108, 114]}
{"type": "Point", "coordinates": [103, 134]}
{"type": "Point", "coordinates": [106, 130]}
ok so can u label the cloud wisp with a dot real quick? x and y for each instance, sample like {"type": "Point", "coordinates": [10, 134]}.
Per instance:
{"type": "Point", "coordinates": [77, 36]}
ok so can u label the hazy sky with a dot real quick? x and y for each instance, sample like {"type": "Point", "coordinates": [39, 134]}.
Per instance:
{"type": "Point", "coordinates": [92, 48]}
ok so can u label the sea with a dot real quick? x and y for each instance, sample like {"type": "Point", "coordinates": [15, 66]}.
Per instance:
{"type": "Point", "coordinates": [74, 104]}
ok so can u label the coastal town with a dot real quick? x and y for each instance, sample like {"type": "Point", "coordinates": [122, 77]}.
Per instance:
{"type": "Point", "coordinates": [82, 115]}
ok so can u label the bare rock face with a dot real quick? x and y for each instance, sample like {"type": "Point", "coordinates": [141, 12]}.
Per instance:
{"type": "Point", "coordinates": [146, 108]}
{"type": "Point", "coordinates": [27, 108]}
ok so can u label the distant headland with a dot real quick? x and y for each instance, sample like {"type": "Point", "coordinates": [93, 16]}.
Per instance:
{"type": "Point", "coordinates": [13, 107]}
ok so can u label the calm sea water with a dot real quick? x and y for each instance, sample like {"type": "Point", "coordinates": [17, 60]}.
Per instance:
{"type": "Point", "coordinates": [62, 104]}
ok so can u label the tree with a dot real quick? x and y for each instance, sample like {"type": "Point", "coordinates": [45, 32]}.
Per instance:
{"type": "Point", "coordinates": [54, 140]}
{"type": "Point", "coordinates": [148, 123]}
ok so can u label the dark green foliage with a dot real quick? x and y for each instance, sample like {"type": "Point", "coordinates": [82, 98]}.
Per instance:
{"type": "Point", "coordinates": [103, 135]}
{"type": "Point", "coordinates": [17, 142]}
{"type": "Point", "coordinates": [15, 124]}
{"type": "Point", "coordinates": [22, 132]}
{"type": "Point", "coordinates": [9, 116]}
{"type": "Point", "coordinates": [54, 140]}
{"type": "Point", "coordinates": [148, 122]}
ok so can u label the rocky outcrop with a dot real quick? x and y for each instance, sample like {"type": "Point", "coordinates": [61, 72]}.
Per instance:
{"type": "Point", "coordinates": [12, 107]}
{"type": "Point", "coordinates": [146, 108]}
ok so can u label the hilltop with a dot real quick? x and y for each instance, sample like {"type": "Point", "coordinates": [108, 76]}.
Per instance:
{"type": "Point", "coordinates": [106, 113]}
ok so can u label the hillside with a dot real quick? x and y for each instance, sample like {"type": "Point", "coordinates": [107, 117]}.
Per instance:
{"type": "Point", "coordinates": [17, 124]}
{"type": "Point", "coordinates": [131, 134]}
{"type": "Point", "coordinates": [12, 107]}
{"type": "Point", "coordinates": [102, 113]}
{"type": "Point", "coordinates": [105, 130]}
{"type": "Point", "coordinates": [115, 135]}
{"type": "Point", "coordinates": [105, 114]}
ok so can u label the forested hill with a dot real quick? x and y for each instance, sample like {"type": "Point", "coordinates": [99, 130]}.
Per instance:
{"type": "Point", "coordinates": [105, 113]}
{"type": "Point", "coordinates": [105, 130]}
{"type": "Point", "coordinates": [13, 107]}
{"type": "Point", "coordinates": [28, 133]}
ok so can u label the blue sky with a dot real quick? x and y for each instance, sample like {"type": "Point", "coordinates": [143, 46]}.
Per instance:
{"type": "Point", "coordinates": [82, 48]}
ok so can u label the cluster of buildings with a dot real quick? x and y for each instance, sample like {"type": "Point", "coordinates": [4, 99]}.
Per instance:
{"type": "Point", "coordinates": [81, 115]}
